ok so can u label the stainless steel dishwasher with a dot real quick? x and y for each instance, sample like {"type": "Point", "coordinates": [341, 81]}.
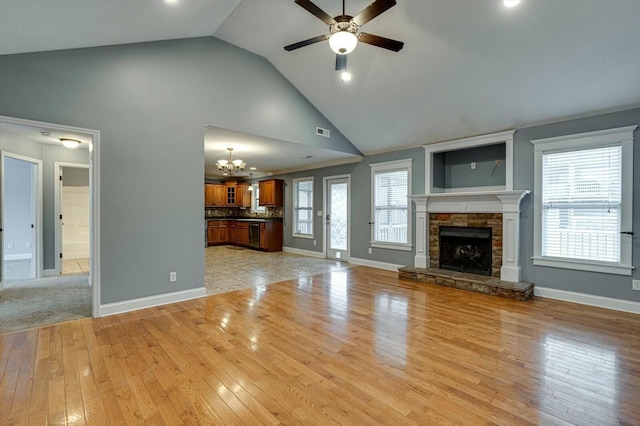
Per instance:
{"type": "Point", "coordinates": [254, 234]}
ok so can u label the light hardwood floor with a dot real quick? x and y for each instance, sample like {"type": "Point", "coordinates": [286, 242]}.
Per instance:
{"type": "Point", "coordinates": [355, 346]}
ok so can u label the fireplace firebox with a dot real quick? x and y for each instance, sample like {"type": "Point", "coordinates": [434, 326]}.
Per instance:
{"type": "Point", "coordinates": [465, 249]}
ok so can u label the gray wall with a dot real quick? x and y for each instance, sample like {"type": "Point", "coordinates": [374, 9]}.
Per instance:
{"type": "Point", "coordinates": [458, 172]}
{"type": "Point", "coordinates": [360, 205]}
{"type": "Point", "coordinates": [150, 102]}
{"type": "Point", "coordinates": [18, 206]}
{"type": "Point", "coordinates": [75, 176]}
{"type": "Point", "coordinates": [616, 286]}
{"type": "Point", "coordinates": [48, 154]}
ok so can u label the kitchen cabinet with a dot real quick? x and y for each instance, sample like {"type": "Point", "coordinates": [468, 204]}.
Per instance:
{"type": "Point", "coordinates": [217, 232]}
{"type": "Point", "coordinates": [271, 193]}
{"type": "Point", "coordinates": [242, 233]}
{"type": "Point", "coordinates": [243, 195]}
{"type": "Point", "coordinates": [271, 236]}
{"type": "Point", "coordinates": [208, 194]}
{"type": "Point", "coordinates": [230, 194]}
{"type": "Point", "coordinates": [214, 195]}
{"type": "Point", "coordinates": [218, 195]}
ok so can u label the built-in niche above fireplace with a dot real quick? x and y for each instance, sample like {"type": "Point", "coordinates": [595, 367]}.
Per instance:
{"type": "Point", "coordinates": [465, 249]}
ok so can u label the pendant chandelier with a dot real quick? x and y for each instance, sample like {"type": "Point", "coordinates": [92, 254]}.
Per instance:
{"type": "Point", "coordinates": [230, 167]}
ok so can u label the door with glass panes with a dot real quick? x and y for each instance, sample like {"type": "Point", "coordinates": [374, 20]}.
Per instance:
{"type": "Point", "coordinates": [337, 218]}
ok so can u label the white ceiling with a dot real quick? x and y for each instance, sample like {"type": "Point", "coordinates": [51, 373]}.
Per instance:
{"type": "Point", "coordinates": [467, 68]}
{"type": "Point", "coordinates": [43, 135]}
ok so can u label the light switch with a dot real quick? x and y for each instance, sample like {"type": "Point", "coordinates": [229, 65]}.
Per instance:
{"type": "Point", "coordinates": [319, 213]}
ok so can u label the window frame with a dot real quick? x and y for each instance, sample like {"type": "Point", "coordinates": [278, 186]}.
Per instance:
{"type": "Point", "coordinates": [623, 137]}
{"type": "Point", "coordinates": [295, 207]}
{"type": "Point", "coordinates": [391, 166]}
{"type": "Point", "coordinates": [255, 202]}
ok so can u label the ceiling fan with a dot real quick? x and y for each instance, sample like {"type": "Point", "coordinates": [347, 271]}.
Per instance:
{"type": "Point", "coordinates": [343, 30]}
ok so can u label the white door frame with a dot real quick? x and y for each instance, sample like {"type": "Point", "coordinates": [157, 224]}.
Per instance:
{"type": "Point", "coordinates": [36, 206]}
{"type": "Point", "coordinates": [57, 170]}
{"type": "Point", "coordinates": [325, 208]}
{"type": "Point", "coordinates": [94, 205]}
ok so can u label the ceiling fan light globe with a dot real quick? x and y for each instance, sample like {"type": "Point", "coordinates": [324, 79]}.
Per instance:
{"type": "Point", "coordinates": [343, 42]}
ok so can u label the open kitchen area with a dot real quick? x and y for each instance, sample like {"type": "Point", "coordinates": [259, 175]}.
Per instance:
{"type": "Point", "coordinates": [242, 214]}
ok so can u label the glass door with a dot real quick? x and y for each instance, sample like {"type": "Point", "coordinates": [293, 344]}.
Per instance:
{"type": "Point", "coordinates": [337, 218]}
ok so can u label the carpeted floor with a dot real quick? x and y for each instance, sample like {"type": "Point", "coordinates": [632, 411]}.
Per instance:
{"type": "Point", "coordinates": [44, 301]}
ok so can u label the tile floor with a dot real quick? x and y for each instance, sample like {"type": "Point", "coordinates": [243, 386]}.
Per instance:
{"type": "Point", "coordinates": [75, 266]}
{"type": "Point", "coordinates": [229, 268]}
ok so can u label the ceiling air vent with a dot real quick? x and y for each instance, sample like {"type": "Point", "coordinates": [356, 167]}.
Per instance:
{"type": "Point", "coordinates": [323, 132]}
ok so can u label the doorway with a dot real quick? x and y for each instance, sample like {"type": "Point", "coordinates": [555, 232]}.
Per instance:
{"type": "Point", "coordinates": [72, 214]}
{"type": "Point", "coordinates": [22, 134]}
{"type": "Point", "coordinates": [21, 218]}
{"type": "Point", "coordinates": [337, 193]}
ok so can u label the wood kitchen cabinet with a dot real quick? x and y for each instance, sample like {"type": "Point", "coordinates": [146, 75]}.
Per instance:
{"type": "Point", "coordinates": [271, 193]}
{"type": "Point", "coordinates": [242, 233]}
{"type": "Point", "coordinates": [217, 232]}
{"type": "Point", "coordinates": [208, 194]}
{"type": "Point", "coordinates": [243, 195]}
{"type": "Point", "coordinates": [214, 195]}
{"type": "Point", "coordinates": [271, 236]}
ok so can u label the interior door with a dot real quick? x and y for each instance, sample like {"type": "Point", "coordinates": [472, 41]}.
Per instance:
{"type": "Point", "coordinates": [19, 218]}
{"type": "Point", "coordinates": [337, 218]}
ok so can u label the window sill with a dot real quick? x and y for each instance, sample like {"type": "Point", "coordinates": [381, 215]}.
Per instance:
{"type": "Point", "coordinates": [307, 236]}
{"type": "Point", "coordinates": [605, 268]}
{"type": "Point", "coordinates": [391, 246]}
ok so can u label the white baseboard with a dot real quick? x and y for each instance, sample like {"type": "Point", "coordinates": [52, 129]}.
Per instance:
{"type": "Point", "coordinates": [303, 252]}
{"type": "Point", "coordinates": [49, 273]}
{"type": "Point", "coordinates": [588, 299]}
{"type": "Point", "coordinates": [20, 256]}
{"type": "Point", "coordinates": [375, 264]}
{"type": "Point", "coordinates": [151, 301]}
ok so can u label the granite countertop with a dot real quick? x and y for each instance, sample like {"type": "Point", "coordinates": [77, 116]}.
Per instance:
{"type": "Point", "coordinates": [246, 219]}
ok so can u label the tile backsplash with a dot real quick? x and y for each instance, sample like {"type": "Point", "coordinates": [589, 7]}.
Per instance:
{"type": "Point", "coordinates": [269, 212]}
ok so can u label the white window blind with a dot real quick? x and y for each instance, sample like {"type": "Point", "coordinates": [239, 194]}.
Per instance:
{"type": "Point", "coordinates": [391, 206]}
{"type": "Point", "coordinates": [303, 207]}
{"type": "Point", "coordinates": [581, 204]}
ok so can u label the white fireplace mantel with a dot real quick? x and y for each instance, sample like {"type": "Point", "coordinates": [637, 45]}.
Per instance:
{"type": "Point", "coordinates": [505, 202]}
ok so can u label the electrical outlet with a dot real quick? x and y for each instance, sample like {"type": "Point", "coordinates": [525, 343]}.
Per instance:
{"type": "Point", "coordinates": [635, 284]}
{"type": "Point", "coordinates": [314, 242]}
{"type": "Point", "coordinates": [173, 277]}
{"type": "Point", "coordinates": [473, 165]}
{"type": "Point", "coordinates": [9, 245]}
{"type": "Point", "coordinates": [370, 250]}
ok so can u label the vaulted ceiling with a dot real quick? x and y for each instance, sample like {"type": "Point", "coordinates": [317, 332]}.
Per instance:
{"type": "Point", "coordinates": [467, 67]}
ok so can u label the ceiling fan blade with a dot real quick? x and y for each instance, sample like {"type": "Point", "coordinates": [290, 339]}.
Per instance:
{"type": "Point", "coordinates": [373, 10]}
{"type": "Point", "coordinates": [315, 10]}
{"type": "Point", "coordinates": [385, 43]}
{"type": "Point", "coordinates": [341, 62]}
{"type": "Point", "coordinates": [307, 42]}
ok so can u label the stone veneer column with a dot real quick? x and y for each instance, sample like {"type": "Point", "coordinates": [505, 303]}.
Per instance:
{"type": "Point", "coordinates": [510, 270]}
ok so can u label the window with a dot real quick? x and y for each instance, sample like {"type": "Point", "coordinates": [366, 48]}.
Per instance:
{"type": "Point", "coordinates": [390, 186]}
{"type": "Point", "coordinates": [303, 207]}
{"type": "Point", "coordinates": [583, 202]}
{"type": "Point", "coordinates": [255, 200]}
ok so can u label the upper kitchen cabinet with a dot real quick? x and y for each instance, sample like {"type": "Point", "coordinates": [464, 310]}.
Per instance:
{"type": "Point", "coordinates": [214, 195]}
{"type": "Point", "coordinates": [243, 195]}
{"type": "Point", "coordinates": [271, 193]}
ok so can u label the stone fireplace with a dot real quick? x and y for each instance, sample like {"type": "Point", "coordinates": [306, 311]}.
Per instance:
{"type": "Point", "coordinates": [498, 210]}
{"type": "Point", "coordinates": [465, 249]}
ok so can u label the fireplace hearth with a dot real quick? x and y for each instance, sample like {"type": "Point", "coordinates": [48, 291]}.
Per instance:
{"type": "Point", "coordinates": [465, 249]}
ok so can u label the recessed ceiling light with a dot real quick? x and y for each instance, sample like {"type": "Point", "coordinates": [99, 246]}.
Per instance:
{"type": "Point", "coordinates": [511, 3]}
{"type": "Point", "coordinates": [45, 133]}
{"type": "Point", "coordinates": [171, 2]}
{"type": "Point", "coordinates": [252, 168]}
